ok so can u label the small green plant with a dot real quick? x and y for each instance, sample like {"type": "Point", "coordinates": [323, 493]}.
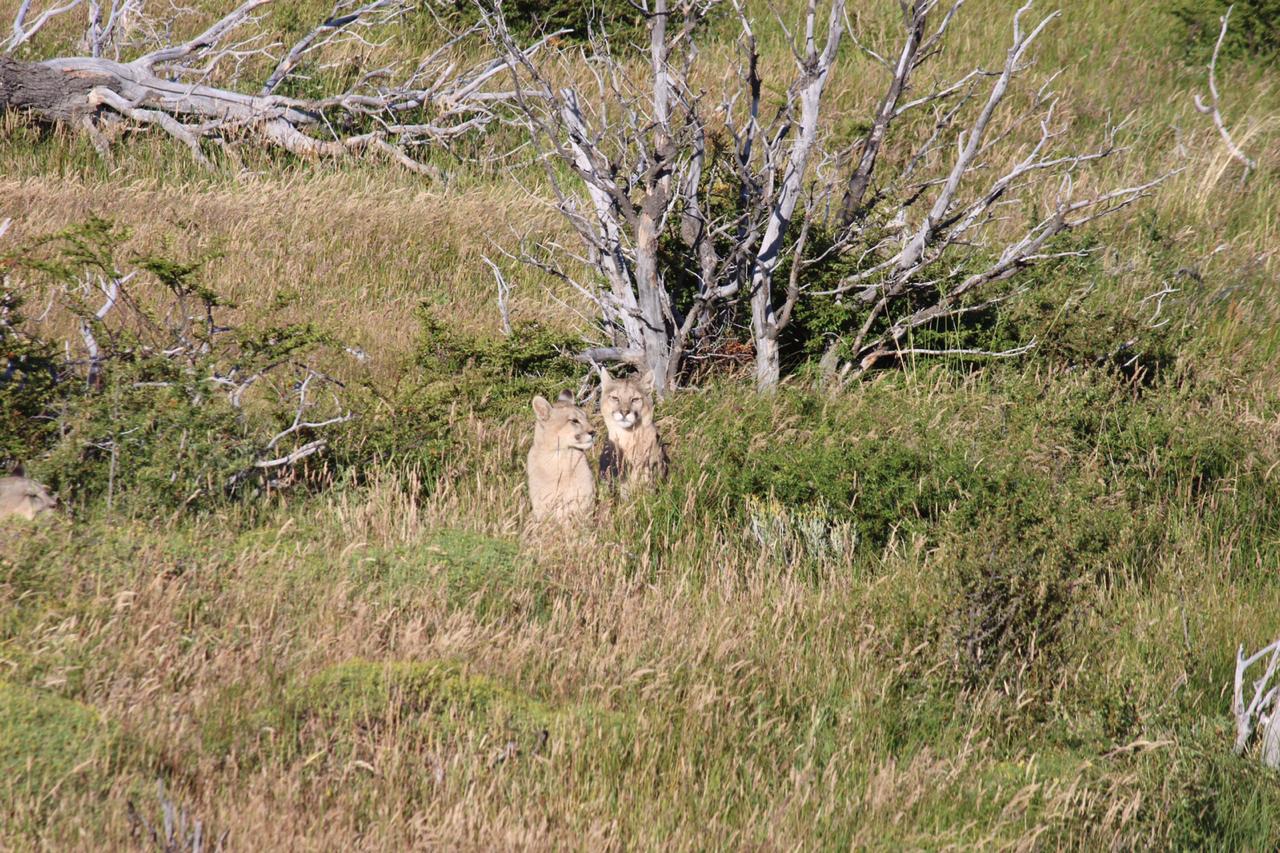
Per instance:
{"type": "Point", "coordinates": [811, 533]}
{"type": "Point", "coordinates": [343, 703]}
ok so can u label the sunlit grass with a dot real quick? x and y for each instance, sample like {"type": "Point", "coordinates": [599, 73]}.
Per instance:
{"type": "Point", "coordinates": [374, 666]}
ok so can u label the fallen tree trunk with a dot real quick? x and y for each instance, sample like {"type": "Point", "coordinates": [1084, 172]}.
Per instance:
{"type": "Point", "coordinates": [169, 88]}
{"type": "Point", "coordinates": [48, 93]}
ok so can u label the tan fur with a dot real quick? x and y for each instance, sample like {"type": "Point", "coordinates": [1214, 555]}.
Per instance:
{"type": "Point", "coordinates": [24, 498]}
{"type": "Point", "coordinates": [561, 482]}
{"type": "Point", "coordinates": [634, 453]}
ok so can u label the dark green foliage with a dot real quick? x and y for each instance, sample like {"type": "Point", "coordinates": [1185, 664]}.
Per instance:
{"type": "Point", "coordinates": [455, 373]}
{"type": "Point", "coordinates": [141, 446]}
{"type": "Point", "coordinates": [1023, 557]}
{"type": "Point", "coordinates": [496, 375]}
{"type": "Point", "coordinates": [805, 450]}
{"type": "Point", "coordinates": [619, 19]}
{"type": "Point", "coordinates": [1254, 29]}
{"type": "Point", "coordinates": [28, 385]}
{"type": "Point", "coordinates": [1208, 798]}
{"type": "Point", "coordinates": [145, 427]}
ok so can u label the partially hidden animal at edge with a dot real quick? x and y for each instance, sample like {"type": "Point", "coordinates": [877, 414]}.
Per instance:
{"type": "Point", "coordinates": [24, 498]}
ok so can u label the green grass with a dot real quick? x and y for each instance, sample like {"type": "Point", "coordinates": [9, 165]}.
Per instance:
{"type": "Point", "coordinates": [957, 604]}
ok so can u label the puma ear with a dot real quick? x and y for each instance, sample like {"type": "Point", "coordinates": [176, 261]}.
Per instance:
{"type": "Point", "coordinates": [541, 408]}
{"type": "Point", "coordinates": [646, 381]}
{"type": "Point", "coordinates": [566, 396]}
{"type": "Point", "coordinates": [605, 379]}
{"type": "Point", "coordinates": [19, 470]}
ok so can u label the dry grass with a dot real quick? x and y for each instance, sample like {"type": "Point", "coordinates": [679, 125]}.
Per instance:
{"type": "Point", "coordinates": [697, 690]}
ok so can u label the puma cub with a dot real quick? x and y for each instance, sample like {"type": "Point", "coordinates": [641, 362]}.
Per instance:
{"type": "Point", "coordinates": [561, 482]}
{"type": "Point", "coordinates": [633, 454]}
{"type": "Point", "coordinates": [24, 498]}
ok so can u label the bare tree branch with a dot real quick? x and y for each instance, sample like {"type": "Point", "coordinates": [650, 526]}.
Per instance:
{"type": "Point", "coordinates": [24, 32]}
{"type": "Point", "coordinates": [1213, 107]}
{"type": "Point", "coordinates": [1261, 707]}
{"type": "Point", "coordinates": [384, 114]}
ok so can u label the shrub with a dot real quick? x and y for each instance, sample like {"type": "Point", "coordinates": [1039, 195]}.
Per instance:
{"type": "Point", "coordinates": [1023, 556]}
{"type": "Point", "coordinates": [1254, 30]}
{"type": "Point", "coordinates": [496, 376]}
{"type": "Point", "coordinates": [800, 469]}
{"type": "Point", "coordinates": [168, 407]}
{"type": "Point", "coordinates": [28, 385]}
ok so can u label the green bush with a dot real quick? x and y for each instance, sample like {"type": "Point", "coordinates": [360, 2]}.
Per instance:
{"type": "Point", "coordinates": [1254, 29]}
{"type": "Point", "coordinates": [28, 385]}
{"type": "Point", "coordinates": [850, 469]}
{"type": "Point", "coordinates": [496, 375]}
{"type": "Point", "coordinates": [1024, 556]}
{"type": "Point", "coordinates": [176, 409]}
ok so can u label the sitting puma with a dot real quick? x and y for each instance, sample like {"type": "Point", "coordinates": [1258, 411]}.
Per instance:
{"type": "Point", "coordinates": [633, 453]}
{"type": "Point", "coordinates": [24, 498]}
{"type": "Point", "coordinates": [561, 482]}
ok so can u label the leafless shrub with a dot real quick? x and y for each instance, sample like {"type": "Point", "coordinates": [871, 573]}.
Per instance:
{"type": "Point", "coordinates": [649, 154]}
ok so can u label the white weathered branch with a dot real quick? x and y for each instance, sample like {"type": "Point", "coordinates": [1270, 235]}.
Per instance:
{"type": "Point", "coordinates": [1213, 107]}
{"type": "Point", "coordinates": [209, 38]}
{"type": "Point", "coordinates": [24, 32]}
{"type": "Point", "coordinates": [504, 290]}
{"type": "Point", "coordinates": [339, 20]}
{"type": "Point", "coordinates": [1261, 707]}
{"type": "Point", "coordinates": [814, 69]}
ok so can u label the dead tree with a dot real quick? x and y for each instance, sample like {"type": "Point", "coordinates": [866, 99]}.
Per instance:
{"type": "Point", "coordinates": [628, 144]}
{"type": "Point", "coordinates": [926, 260]}
{"type": "Point", "coordinates": [388, 112]}
{"type": "Point", "coordinates": [927, 229]}
{"type": "Point", "coordinates": [640, 150]}
{"type": "Point", "coordinates": [1260, 709]}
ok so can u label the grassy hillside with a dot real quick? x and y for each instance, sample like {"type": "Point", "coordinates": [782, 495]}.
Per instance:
{"type": "Point", "coordinates": [951, 605]}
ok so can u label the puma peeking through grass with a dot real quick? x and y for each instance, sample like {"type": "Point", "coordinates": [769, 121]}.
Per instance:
{"type": "Point", "coordinates": [633, 454]}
